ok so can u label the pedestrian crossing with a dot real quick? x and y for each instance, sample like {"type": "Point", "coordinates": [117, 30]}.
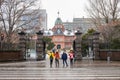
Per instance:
{"type": "Point", "coordinates": [56, 74]}
{"type": "Point", "coordinates": [40, 70]}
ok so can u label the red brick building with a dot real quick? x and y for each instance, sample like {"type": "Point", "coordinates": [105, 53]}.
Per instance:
{"type": "Point", "coordinates": [62, 38]}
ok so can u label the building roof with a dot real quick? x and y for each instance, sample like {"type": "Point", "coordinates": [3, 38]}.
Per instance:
{"type": "Point", "coordinates": [68, 33]}
{"type": "Point", "coordinates": [58, 21]}
{"type": "Point", "coordinates": [58, 32]}
{"type": "Point", "coordinates": [48, 33]}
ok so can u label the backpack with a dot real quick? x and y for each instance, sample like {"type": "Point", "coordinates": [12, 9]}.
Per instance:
{"type": "Point", "coordinates": [71, 56]}
{"type": "Point", "coordinates": [51, 57]}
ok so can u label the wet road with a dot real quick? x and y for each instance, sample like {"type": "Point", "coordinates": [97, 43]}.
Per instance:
{"type": "Point", "coordinates": [40, 70]}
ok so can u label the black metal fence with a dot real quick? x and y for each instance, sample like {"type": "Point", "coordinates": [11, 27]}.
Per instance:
{"type": "Point", "coordinates": [8, 46]}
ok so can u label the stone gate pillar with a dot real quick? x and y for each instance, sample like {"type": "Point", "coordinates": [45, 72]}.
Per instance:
{"type": "Point", "coordinates": [77, 46]}
{"type": "Point", "coordinates": [22, 43]}
{"type": "Point", "coordinates": [40, 46]}
{"type": "Point", "coordinates": [96, 45]}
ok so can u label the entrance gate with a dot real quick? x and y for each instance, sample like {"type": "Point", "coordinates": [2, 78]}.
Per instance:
{"type": "Point", "coordinates": [38, 43]}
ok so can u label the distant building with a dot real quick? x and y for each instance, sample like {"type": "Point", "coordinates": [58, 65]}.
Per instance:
{"type": "Point", "coordinates": [36, 21]}
{"type": "Point", "coordinates": [43, 19]}
{"type": "Point", "coordinates": [62, 38]}
{"type": "Point", "coordinates": [82, 24]}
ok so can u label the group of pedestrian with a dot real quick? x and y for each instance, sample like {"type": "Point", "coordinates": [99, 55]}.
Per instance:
{"type": "Point", "coordinates": [56, 56]}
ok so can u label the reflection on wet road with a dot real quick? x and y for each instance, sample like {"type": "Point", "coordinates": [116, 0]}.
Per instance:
{"type": "Point", "coordinates": [40, 70]}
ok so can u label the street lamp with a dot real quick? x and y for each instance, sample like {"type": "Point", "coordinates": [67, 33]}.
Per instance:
{"type": "Point", "coordinates": [2, 37]}
{"type": "Point", "coordinates": [109, 51]}
{"type": "Point", "coordinates": [1, 40]}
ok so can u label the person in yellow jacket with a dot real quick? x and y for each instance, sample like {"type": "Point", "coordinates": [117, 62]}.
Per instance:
{"type": "Point", "coordinates": [51, 57]}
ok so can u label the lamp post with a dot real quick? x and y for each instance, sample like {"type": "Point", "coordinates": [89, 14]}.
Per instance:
{"type": "Point", "coordinates": [1, 40]}
{"type": "Point", "coordinates": [109, 51]}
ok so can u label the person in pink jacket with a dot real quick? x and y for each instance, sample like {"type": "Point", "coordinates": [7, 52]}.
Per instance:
{"type": "Point", "coordinates": [71, 57]}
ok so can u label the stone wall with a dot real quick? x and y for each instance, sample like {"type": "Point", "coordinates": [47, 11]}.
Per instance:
{"type": "Point", "coordinates": [11, 56]}
{"type": "Point", "coordinates": [113, 54]}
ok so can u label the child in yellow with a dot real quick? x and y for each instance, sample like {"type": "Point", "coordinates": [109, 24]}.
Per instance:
{"type": "Point", "coordinates": [51, 57]}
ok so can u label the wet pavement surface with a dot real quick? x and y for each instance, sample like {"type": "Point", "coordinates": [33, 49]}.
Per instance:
{"type": "Point", "coordinates": [40, 70]}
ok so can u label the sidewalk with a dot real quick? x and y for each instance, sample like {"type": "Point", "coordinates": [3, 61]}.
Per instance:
{"type": "Point", "coordinates": [96, 63]}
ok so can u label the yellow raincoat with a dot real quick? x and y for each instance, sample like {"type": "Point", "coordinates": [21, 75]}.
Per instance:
{"type": "Point", "coordinates": [51, 53]}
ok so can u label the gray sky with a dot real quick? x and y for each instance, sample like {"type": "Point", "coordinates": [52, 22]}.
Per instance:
{"type": "Point", "coordinates": [68, 10]}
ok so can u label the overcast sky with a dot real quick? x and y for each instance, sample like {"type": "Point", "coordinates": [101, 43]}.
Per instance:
{"type": "Point", "coordinates": [68, 10]}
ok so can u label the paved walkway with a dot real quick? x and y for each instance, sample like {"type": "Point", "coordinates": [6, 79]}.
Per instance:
{"type": "Point", "coordinates": [40, 70]}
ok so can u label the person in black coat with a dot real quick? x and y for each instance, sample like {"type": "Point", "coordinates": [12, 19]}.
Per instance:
{"type": "Point", "coordinates": [64, 58]}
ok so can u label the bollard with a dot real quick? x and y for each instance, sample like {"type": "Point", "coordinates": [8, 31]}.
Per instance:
{"type": "Point", "coordinates": [108, 59]}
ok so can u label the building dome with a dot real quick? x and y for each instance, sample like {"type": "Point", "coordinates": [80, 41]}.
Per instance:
{"type": "Point", "coordinates": [58, 21]}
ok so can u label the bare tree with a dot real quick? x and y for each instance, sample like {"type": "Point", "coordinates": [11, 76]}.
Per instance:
{"type": "Point", "coordinates": [104, 11]}
{"type": "Point", "coordinates": [105, 14]}
{"type": "Point", "coordinates": [17, 15]}
{"type": "Point", "coordinates": [110, 31]}
{"type": "Point", "coordinates": [1, 1]}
